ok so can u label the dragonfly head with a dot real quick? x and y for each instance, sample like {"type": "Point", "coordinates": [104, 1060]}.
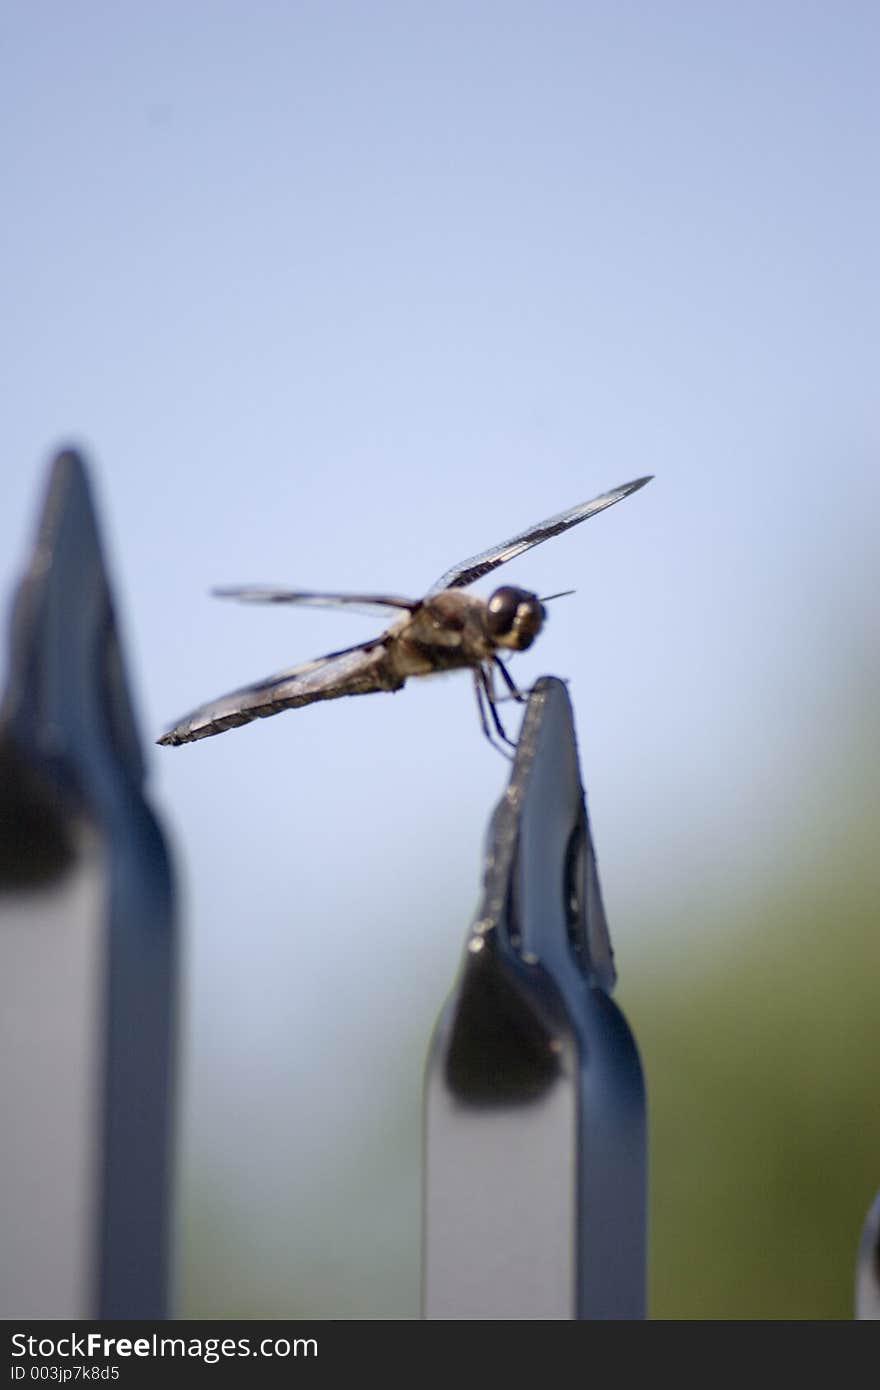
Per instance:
{"type": "Point", "coordinates": [514, 617]}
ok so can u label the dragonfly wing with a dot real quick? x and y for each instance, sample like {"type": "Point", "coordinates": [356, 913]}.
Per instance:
{"type": "Point", "coordinates": [468, 571]}
{"type": "Point", "coordinates": [354, 671]}
{"type": "Point", "coordinates": [358, 603]}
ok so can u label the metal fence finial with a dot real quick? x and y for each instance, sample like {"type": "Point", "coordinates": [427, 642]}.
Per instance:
{"type": "Point", "coordinates": [535, 1164]}
{"type": "Point", "coordinates": [87, 949]}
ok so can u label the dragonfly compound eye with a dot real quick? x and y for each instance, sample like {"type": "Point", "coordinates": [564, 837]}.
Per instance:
{"type": "Point", "coordinates": [502, 608]}
{"type": "Point", "coordinates": [514, 617]}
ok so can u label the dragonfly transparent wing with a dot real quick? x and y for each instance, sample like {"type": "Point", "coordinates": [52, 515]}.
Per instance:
{"type": "Point", "coordinates": [357, 603]}
{"type": "Point", "coordinates": [468, 571]}
{"type": "Point", "coordinates": [354, 671]}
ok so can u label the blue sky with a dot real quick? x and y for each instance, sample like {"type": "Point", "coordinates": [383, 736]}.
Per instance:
{"type": "Point", "coordinates": [335, 294]}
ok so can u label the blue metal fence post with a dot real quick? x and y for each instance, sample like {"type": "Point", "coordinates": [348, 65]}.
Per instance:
{"type": "Point", "coordinates": [87, 950]}
{"type": "Point", "coordinates": [535, 1137]}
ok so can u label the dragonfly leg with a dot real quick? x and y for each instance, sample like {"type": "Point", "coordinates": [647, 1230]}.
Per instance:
{"type": "Point", "coordinates": [511, 684]}
{"type": "Point", "coordinates": [492, 702]}
{"type": "Point", "coordinates": [483, 699]}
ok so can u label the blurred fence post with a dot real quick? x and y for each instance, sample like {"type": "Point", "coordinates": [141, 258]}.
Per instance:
{"type": "Point", "coordinates": [535, 1139]}
{"type": "Point", "coordinates": [868, 1267]}
{"type": "Point", "coordinates": [87, 950]}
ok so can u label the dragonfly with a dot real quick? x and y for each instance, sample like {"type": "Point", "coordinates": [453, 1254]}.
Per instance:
{"type": "Point", "coordinates": [447, 630]}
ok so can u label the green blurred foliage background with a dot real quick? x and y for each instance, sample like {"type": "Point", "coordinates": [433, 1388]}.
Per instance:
{"type": "Point", "coordinates": [763, 1061]}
